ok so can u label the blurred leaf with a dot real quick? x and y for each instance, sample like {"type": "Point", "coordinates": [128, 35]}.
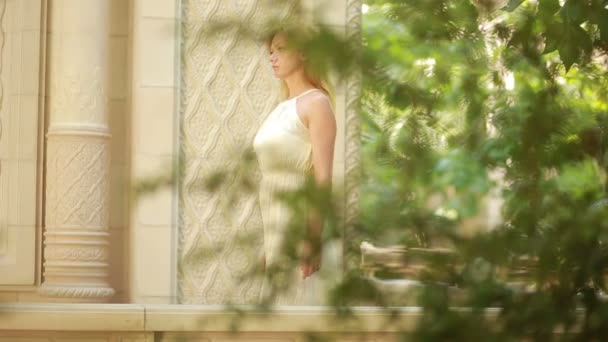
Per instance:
{"type": "Point", "coordinates": [579, 179]}
{"type": "Point", "coordinates": [574, 45]}
{"type": "Point", "coordinates": [512, 5]}
{"type": "Point", "coordinates": [573, 12]}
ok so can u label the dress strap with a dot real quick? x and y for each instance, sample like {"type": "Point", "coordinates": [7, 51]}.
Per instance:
{"type": "Point", "coordinates": [305, 92]}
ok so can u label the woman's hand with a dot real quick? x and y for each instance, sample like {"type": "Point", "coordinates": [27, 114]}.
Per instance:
{"type": "Point", "coordinates": [311, 258]}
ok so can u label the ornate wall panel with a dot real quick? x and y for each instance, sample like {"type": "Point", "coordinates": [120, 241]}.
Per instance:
{"type": "Point", "coordinates": [77, 207]}
{"type": "Point", "coordinates": [352, 143]}
{"type": "Point", "coordinates": [76, 239]}
{"type": "Point", "coordinates": [227, 88]}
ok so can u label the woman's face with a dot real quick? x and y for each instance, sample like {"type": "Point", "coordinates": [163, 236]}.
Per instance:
{"type": "Point", "coordinates": [284, 61]}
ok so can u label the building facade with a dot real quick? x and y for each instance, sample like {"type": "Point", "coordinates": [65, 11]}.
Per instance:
{"type": "Point", "coordinates": [99, 98]}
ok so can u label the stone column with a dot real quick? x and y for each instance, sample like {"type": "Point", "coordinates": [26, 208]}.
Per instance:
{"type": "Point", "coordinates": [76, 233]}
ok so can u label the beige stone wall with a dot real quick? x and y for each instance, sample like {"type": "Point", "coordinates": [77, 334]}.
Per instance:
{"type": "Point", "coordinates": [154, 83]}
{"type": "Point", "coordinates": [27, 34]}
{"type": "Point", "coordinates": [151, 114]}
{"type": "Point", "coordinates": [20, 102]}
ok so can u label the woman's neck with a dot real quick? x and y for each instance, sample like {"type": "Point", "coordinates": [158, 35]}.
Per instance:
{"type": "Point", "coordinates": [297, 84]}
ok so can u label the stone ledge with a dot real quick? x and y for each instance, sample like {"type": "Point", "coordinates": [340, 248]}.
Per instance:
{"type": "Point", "coordinates": [192, 318]}
{"type": "Point", "coordinates": [281, 319]}
{"type": "Point", "coordinates": [30, 318]}
{"type": "Point", "coordinates": [72, 317]}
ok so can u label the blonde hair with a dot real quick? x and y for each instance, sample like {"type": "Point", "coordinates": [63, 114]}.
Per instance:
{"type": "Point", "coordinates": [317, 75]}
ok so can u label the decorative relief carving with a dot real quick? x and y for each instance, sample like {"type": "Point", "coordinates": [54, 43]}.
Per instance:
{"type": "Point", "coordinates": [79, 95]}
{"type": "Point", "coordinates": [77, 217]}
{"type": "Point", "coordinates": [78, 292]}
{"type": "Point", "coordinates": [77, 182]}
{"type": "Point", "coordinates": [77, 178]}
{"type": "Point", "coordinates": [352, 148]}
{"type": "Point", "coordinates": [76, 264]}
{"type": "Point", "coordinates": [227, 89]}
{"type": "Point", "coordinates": [77, 253]}
{"type": "Point", "coordinates": [226, 93]}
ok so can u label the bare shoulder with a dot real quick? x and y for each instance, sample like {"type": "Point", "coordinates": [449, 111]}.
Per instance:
{"type": "Point", "coordinates": [316, 106]}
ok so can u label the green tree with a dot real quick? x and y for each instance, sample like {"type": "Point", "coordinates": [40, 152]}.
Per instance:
{"type": "Point", "coordinates": [468, 103]}
{"type": "Point", "coordinates": [466, 97]}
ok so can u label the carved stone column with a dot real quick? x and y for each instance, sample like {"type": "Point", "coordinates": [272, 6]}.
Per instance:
{"type": "Point", "coordinates": [76, 237]}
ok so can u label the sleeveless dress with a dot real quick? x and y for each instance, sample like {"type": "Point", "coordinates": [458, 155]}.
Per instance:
{"type": "Point", "coordinates": [284, 152]}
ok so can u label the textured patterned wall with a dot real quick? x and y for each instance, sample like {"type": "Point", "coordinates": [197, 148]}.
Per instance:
{"type": "Point", "coordinates": [352, 143]}
{"type": "Point", "coordinates": [77, 168]}
{"type": "Point", "coordinates": [227, 89]}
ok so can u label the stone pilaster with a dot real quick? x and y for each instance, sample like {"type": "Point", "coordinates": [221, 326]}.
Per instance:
{"type": "Point", "coordinates": [76, 233]}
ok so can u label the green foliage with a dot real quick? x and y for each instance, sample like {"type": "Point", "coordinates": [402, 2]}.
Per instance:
{"type": "Point", "coordinates": [460, 92]}
{"type": "Point", "coordinates": [468, 103]}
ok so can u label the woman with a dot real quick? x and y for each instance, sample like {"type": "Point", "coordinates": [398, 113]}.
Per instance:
{"type": "Point", "coordinates": [295, 143]}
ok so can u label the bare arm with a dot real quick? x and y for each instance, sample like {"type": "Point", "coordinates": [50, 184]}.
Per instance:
{"type": "Point", "coordinates": [322, 128]}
